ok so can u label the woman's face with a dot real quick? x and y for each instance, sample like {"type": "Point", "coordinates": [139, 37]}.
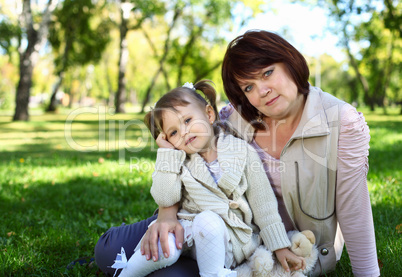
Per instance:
{"type": "Point", "coordinates": [272, 91]}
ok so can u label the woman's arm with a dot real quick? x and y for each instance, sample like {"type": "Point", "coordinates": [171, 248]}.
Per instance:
{"type": "Point", "coordinates": [166, 223]}
{"type": "Point", "coordinates": [353, 206]}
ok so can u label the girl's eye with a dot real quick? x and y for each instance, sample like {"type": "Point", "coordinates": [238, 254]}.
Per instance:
{"type": "Point", "coordinates": [269, 72]}
{"type": "Point", "coordinates": [248, 88]}
{"type": "Point", "coordinates": [173, 133]}
{"type": "Point", "coordinates": [187, 120]}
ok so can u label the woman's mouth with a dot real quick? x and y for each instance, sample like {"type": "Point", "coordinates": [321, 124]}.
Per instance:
{"type": "Point", "coordinates": [190, 140]}
{"type": "Point", "coordinates": [272, 101]}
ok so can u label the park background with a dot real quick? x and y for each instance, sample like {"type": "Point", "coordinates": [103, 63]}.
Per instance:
{"type": "Point", "coordinates": [77, 76]}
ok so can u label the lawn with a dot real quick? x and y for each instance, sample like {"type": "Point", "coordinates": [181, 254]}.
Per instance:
{"type": "Point", "coordinates": [67, 178]}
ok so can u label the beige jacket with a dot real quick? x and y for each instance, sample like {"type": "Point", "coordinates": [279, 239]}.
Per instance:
{"type": "Point", "coordinates": [308, 181]}
{"type": "Point", "coordinates": [243, 196]}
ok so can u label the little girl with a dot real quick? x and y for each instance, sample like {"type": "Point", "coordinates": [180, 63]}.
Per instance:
{"type": "Point", "coordinates": [228, 207]}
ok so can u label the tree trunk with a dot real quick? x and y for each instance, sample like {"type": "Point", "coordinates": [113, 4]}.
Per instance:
{"type": "Point", "coordinates": [30, 56]}
{"type": "Point", "coordinates": [162, 59]}
{"type": "Point", "coordinates": [123, 59]}
{"type": "Point", "coordinates": [23, 89]}
{"type": "Point", "coordinates": [69, 43]}
{"type": "Point", "coordinates": [53, 103]}
{"type": "Point", "coordinates": [362, 80]}
{"type": "Point", "coordinates": [148, 92]}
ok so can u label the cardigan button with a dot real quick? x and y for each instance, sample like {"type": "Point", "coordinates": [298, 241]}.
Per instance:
{"type": "Point", "coordinates": [233, 204]}
{"type": "Point", "coordinates": [324, 251]}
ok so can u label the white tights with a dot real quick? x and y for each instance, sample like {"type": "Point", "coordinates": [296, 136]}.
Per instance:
{"type": "Point", "coordinates": [208, 231]}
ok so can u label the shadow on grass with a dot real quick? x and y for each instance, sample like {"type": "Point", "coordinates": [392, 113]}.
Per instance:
{"type": "Point", "coordinates": [53, 224]}
{"type": "Point", "coordinates": [47, 155]}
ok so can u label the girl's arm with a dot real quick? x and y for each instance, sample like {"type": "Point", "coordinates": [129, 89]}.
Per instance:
{"type": "Point", "coordinates": [166, 223]}
{"type": "Point", "coordinates": [264, 205]}
{"type": "Point", "coordinates": [166, 191]}
{"type": "Point", "coordinates": [353, 208]}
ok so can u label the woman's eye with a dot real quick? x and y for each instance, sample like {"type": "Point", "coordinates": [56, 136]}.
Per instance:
{"type": "Point", "coordinates": [267, 73]}
{"type": "Point", "coordinates": [248, 88]}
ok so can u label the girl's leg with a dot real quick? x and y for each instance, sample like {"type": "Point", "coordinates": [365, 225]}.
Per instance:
{"type": "Point", "coordinates": [111, 242]}
{"type": "Point", "coordinates": [139, 266]}
{"type": "Point", "coordinates": [128, 236]}
{"type": "Point", "coordinates": [209, 238]}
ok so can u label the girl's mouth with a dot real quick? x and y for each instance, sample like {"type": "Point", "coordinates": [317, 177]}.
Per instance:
{"type": "Point", "coordinates": [190, 140]}
{"type": "Point", "coordinates": [272, 101]}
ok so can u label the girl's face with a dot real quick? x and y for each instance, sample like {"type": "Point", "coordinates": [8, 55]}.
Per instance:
{"type": "Point", "coordinates": [190, 128]}
{"type": "Point", "coordinates": [272, 91]}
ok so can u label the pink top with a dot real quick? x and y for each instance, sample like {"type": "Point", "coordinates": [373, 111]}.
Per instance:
{"type": "Point", "coordinates": [353, 208]}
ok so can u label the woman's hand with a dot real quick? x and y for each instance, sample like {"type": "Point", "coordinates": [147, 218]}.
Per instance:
{"type": "Point", "coordinates": [162, 141]}
{"type": "Point", "coordinates": [166, 223]}
{"type": "Point", "coordinates": [289, 260]}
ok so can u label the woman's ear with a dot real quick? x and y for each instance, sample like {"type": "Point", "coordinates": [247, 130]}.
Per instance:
{"type": "Point", "coordinates": [210, 113]}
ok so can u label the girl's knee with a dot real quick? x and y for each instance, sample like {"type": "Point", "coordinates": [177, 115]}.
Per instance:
{"type": "Point", "coordinates": [208, 223]}
{"type": "Point", "coordinates": [174, 252]}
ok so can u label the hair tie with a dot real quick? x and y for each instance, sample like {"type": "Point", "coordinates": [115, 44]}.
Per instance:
{"type": "Point", "coordinates": [189, 85]}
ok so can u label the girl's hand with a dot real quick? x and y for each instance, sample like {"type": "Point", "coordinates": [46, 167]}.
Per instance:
{"type": "Point", "coordinates": [162, 142]}
{"type": "Point", "coordinates": [288, 258]}
{"type": "Point", "coordinates": [166, 223]}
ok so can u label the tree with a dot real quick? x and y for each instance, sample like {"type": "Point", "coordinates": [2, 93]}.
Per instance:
{"type": "Point", "coordinates": [193, 33]}
{"type": "Point", "coordinates": [141, 10]}
{"type": "Point", "coordinates": [374, 27]}
{"type": "Point", "coordinates": [79, 41]}
{"type": "Point", "coordinates": [35, 37]}
{"type": "Point", "coordinates": [176, 13]}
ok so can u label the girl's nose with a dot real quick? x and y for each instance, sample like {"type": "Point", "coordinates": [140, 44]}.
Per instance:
{"type": "Point", "coordinates": [184, 131]}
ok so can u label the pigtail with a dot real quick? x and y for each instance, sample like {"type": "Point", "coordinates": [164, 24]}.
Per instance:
{"type": "Point", "coordinates": [149, 121]}
{"type": "Point", "coordinates": [209, 92]}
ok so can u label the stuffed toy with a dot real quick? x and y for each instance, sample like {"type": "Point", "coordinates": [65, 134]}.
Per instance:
{"type": "Point", "coordinates": [262, 263]}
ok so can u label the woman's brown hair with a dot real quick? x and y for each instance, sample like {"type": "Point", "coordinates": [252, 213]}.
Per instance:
{"type": "Point", "coordinates": [180, 96]}
{"type": "Point", "coordinates": [251, 52]}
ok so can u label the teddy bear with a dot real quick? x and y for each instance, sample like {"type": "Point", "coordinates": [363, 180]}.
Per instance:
{"type": "Point", "coordinates": [263, 264]}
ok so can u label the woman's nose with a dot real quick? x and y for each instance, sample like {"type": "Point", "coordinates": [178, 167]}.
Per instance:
{"type": "Point", "coordinates": [264, 90]}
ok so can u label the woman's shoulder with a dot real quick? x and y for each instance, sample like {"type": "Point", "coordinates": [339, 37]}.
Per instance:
{"type": "Point", "coordinates": [351, 119]}
{"type": "Point", "coordinates": [226, 111]}
{"type": "Point", "coordinates": [233, 121]}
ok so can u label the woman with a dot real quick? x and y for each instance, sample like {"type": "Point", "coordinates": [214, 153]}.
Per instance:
{"type": "Point", "coordinates": [314, 148]}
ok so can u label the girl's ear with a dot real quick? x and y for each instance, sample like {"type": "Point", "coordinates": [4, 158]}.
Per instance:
{"type": "Point", "coordinates": [210, 113]}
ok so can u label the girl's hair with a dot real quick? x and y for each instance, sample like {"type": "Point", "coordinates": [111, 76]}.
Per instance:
{"type": "Point", "coordinates": [180, 96]}
{"type": "Point", "coordinates": [249, 53]}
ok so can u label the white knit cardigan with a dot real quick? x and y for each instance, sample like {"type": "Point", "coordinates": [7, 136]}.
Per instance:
{"type": "Point", "coordinates": [243, 197]}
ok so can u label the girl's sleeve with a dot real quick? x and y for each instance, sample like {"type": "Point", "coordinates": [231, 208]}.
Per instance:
{"type": "Point", "coordinates": [353, 205]}
{"type": "Point", "coordinates": [166, 184]}
{"type": "Point", "coordinates": [264, 205]}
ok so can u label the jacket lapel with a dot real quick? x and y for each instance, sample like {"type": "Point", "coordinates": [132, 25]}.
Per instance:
{"type": "Point", "coordinates": [232, 153]}
{"type": "Point", "coordinates": [199, 171]}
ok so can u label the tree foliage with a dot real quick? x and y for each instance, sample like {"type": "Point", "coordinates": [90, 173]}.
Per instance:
{"type": "Point", "coordinates": [79, 41]}
{"type": "Point", "coordinates": [369, 31]}
{"type": "Point", "coordinates": [94, 50]}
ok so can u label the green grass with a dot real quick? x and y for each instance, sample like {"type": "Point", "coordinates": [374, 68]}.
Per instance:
{"type": "Point", "coordinates": [56, 200]}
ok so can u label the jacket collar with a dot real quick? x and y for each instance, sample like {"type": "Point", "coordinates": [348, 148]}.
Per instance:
{"type": "Point", "coordinates": [232, 153]}
{"type": "Point", "coordinates": [313, 121]}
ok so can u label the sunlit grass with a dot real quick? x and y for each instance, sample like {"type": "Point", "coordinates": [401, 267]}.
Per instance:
{"type": "Point", "coordinates": [56, 200]}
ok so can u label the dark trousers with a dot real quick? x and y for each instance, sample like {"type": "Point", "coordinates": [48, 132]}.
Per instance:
{"type": "Point", "coordinates": [128, 236]}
